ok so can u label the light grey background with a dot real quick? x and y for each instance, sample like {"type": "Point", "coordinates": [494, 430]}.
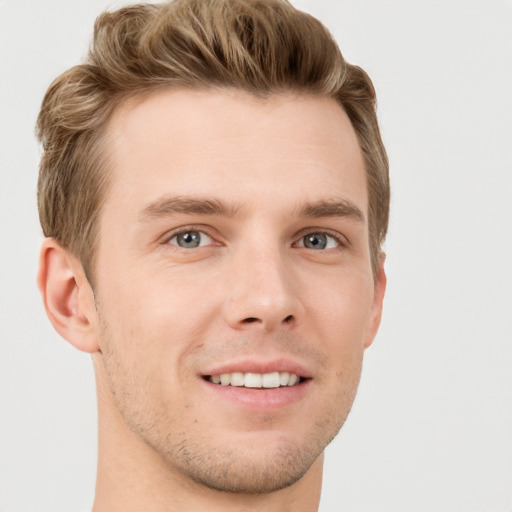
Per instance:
{"type": "Point", "coordinates": [431, 429]}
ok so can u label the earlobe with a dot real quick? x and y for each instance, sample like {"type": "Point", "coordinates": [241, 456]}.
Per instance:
{"type": "Point", "coordinates": [379, 290]}
{"type": "Point", "coordinates": [67, 296]}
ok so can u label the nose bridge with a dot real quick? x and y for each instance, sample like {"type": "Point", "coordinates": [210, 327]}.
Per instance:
{"type": "Point", "coordinates": [262, 291]}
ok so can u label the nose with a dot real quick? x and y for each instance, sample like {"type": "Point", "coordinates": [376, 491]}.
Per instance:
{"type": "Point", "coordinates": [262, 293]}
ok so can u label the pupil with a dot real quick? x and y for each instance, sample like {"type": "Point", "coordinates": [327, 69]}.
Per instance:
{"type": "Point", "coordinates": [316, 241]}
{"type": "Point", "coordinates": [190, 239]}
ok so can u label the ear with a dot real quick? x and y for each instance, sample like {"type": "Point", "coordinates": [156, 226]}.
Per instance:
{"type": "Point", "coordinates": [67, 296]}
{"type": "Point", "coordinates": [379, 289]}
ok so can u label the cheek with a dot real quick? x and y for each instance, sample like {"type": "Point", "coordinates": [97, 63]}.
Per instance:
{"type": "Point", "coordinates": [340, 313]}
{"type": "Point", "coordinates": [154, 323]}
{"type": "Point", "coordinates": [342, 308]}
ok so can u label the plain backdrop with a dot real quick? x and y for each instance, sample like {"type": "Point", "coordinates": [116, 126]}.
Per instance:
{"type": "Point", "coordinates": [431, 428]}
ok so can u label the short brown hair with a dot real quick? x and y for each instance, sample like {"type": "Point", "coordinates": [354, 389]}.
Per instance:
{"type": "Point", "coordinates": [259, 46]}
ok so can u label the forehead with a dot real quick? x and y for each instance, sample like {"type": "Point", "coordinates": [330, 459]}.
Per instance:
{"type": "Point", "coordinates": [233, 146]}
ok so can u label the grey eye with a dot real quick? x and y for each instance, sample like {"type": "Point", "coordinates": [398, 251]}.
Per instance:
{"type": "Point", "coordinates": [318, 241]}
{"type": "Point", "coordinates": [190, 239]}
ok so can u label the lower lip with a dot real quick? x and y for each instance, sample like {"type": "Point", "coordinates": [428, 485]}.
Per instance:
{"type": "Point", "coordinates": [262, 399]}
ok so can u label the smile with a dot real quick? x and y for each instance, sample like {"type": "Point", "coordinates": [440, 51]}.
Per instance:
{"type": "Point", "coordinates": [256, 380]}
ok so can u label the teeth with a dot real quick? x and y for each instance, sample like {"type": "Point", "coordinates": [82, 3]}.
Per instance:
{"type": "Point", "coordinates": [284, 378]}
{"type": "Point", "coordinates": [256, 380]}
{"type": "Point", "coordinates": [253, 380]}
{"type": "Point", "coordinates": [293, 379]}
{"type": "Point", "coordinates": [271, 380]}
{"type": "Point", "coordinates": [237, 379]}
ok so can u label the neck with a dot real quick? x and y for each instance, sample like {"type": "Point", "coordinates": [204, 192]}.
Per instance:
{"type": "Point", "coordinates": [132, 476]}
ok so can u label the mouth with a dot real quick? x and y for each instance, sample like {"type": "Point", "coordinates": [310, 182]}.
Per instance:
{"type": "Point", "coordinates": [257, 385]}
{"type": "Point", "coordinates": [253, 380]}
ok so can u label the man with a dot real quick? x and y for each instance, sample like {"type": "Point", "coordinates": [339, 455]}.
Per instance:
{"type": "Point", "coordinates": [214, 192]}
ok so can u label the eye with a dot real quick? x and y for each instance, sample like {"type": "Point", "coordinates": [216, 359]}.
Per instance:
{"type": "Point", "coordinates": [318, 241]}
{"type": "Point", "coordinates": [190, 239]}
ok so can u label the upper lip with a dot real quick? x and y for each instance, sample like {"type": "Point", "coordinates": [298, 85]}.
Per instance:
{"type": "Point", "coordinates": [260, 366]}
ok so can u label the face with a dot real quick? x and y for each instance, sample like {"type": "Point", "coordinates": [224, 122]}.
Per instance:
{"type": "Point", "coordinates": [235, 294]}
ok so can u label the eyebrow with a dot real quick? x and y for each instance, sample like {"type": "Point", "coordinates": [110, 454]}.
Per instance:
{"type": "Point", "coordinates": [172, 205]}
{"type": "Point", "coordinates": [331, 208]}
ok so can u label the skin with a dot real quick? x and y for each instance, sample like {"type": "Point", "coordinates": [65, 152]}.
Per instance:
{"type": "Point", "coordinates": [162, 317]}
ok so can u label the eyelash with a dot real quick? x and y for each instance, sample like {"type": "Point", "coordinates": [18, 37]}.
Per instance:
{"type": "Point", "coordinates": [339, 238]}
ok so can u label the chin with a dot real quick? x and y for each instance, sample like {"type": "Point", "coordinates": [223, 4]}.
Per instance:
{"type": "Point", "coordinates": [258, 463]}
{"type": "Point", "coordinates": [237, 471]}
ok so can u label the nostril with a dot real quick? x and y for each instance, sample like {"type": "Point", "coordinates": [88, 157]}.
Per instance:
{"type": "Point", "coordinates": [252, 319]}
